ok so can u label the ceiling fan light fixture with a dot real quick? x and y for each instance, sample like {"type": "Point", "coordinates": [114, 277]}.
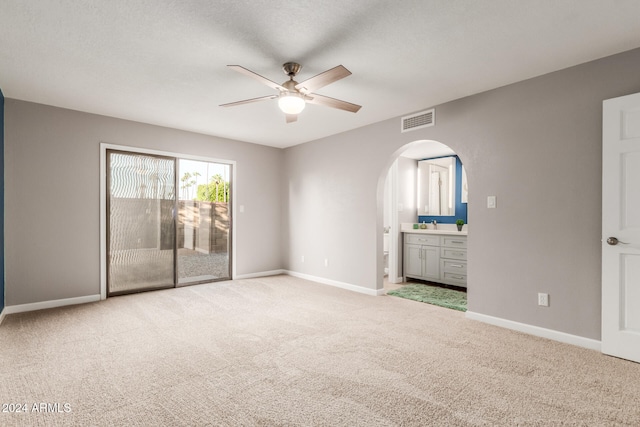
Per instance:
{"type": "Point", "coordinates": [291, 103]}
{"type": "Point", "coordinates": [293, 96]}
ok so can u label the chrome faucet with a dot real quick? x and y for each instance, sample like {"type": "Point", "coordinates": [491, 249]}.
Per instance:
{"type": "Point", "coordinates": [435, 224]}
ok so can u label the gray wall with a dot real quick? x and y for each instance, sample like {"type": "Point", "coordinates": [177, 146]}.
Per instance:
{"type": "Point", "coordinates": [52, 162]}
{"type": "Point", "coordinates": [535, 144]}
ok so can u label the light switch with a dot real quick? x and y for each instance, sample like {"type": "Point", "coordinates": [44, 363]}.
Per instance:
{"type": "Point", "coordinates": [491, 202]}
{"type": "Point", "coordinates": [400, 207]}
{"type": "Point", "coordinates": [241, 208]}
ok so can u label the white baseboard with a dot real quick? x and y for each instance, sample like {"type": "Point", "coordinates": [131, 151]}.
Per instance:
{"type": "Point", "coordinates": [12, 309]}
{"type": "Point", "coordinates": [259, 274]}
{"type": "Point", "coordinates": [537, 331]}
{"type": "Point", "coordinates": [337, 284]}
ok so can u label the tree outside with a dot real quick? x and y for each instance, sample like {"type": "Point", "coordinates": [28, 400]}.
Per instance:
{"type": "Point", "coordinates": [216, 190]}
{"type": "Point", "coordinates": [187, 182]}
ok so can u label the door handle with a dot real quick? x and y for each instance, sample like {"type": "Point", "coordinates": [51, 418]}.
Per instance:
{"type": "Point", "coordinates": [614, 241]}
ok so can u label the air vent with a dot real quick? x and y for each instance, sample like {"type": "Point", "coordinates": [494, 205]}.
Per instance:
{"type": "Point", "coordinates": [418, 121]}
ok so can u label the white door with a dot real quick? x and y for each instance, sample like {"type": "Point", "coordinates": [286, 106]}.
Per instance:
{"type": "Point", "coordinates": [621, 227]}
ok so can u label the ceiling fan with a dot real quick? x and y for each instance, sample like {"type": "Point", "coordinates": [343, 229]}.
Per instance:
{"type": "Point", "coordinates": [293, 96]}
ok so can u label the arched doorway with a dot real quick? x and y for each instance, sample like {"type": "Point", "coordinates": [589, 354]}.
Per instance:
{"type": "Point", "coordinates": [405, 203]}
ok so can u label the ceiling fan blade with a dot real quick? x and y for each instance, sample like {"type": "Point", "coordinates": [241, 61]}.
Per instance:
{"type": "Point", "coordinates": [332, 102]}
{"type": "Point", "coordinates": [256, 76]}
{"type": "Point", "coordinates": [292, 118]}
{"type": "Point", "coordinates": [249, 101]}
{"type": "Point", "coordinates": [323, 79]}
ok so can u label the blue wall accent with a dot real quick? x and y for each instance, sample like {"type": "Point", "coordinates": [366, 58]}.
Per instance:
{"type": "Point", "coordinates": [1, 201]}
{"type": "Point", "coordinates": [461, 208]}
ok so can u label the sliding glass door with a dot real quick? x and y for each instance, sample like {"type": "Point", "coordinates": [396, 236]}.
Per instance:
{"type": "Point", "coordinates": [204, 221]}
{"type": "Point", "coordinates": [163, 231]}
{"type": "Point", "coordinates": [140, 222]}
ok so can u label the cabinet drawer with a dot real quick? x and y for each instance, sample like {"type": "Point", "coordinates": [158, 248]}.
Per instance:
{"type": "Point", "coordinates": [422, 239]}
{"type": "Point", "coordinates": [453, 253]}
{"type": "Point", "coordinates": [453, 266]}
{"type": "Point", "coordinates": [454, 242]}
{"type": "Point", "coordinates": [455, 278]}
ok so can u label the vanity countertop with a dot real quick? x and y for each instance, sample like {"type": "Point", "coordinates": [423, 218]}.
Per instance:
{"type": "Point", "coordinates": [453, 231]}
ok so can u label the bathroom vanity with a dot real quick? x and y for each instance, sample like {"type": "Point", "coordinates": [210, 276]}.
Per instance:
{"type": "Point", "coordinates": [436, 255]}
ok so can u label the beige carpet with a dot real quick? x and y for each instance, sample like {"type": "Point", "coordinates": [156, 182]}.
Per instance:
{"type": "Point", "coordinates": [284, 351]}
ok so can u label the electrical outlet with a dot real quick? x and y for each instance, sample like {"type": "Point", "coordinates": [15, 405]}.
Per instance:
{"type": "Point", "coordinates": [326, 262]}
{"type": "Point", "coordinates": [543, 299]}
{"type": "Point", "coordinates": [491, 202]}
{"type": "Point", "coordinates": [302, 258]}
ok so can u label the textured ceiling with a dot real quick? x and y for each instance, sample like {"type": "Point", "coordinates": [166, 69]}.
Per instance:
{"type": "Point", "coordinates": [164, 62]}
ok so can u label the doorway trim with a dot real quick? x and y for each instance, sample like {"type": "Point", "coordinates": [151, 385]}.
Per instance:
{"type": "Point", "coordinates": [104, 146]}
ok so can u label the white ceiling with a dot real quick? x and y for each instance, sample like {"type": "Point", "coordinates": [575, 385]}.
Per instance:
{"type": "Point", "coordinates": [164, 62]}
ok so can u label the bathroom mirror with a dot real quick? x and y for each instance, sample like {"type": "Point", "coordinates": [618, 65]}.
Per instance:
{"type": "Point", "coordinates": [436, 186]}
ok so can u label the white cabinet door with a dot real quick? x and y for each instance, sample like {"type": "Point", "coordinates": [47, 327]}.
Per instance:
{"type": "Point", "coordinates": [621, 223]}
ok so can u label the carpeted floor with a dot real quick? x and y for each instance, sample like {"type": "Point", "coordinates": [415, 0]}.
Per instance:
{"type": "Point", "coordinates": [284, 351]}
